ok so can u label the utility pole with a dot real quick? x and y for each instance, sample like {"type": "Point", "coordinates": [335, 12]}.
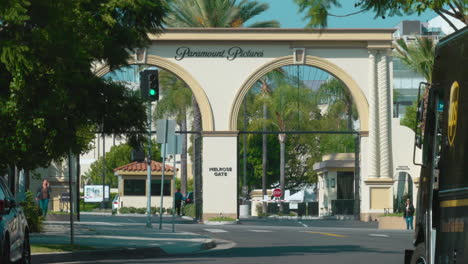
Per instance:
{"type": "Point", "coordinates": [148, 180]}
{"type": "Point", "coordinates": [103, 203]}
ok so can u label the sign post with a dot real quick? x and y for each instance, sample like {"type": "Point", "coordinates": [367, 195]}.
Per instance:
{"type": "Point", "coordinates": [165, 129]}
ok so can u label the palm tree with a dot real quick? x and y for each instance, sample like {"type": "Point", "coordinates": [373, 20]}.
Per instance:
{"type": "Point", "coordinates": [216, 13]}
{"type": "Point", "coordinates": [334, 91]}
{"type": "Point", "coordinates": [282, 115]}
{"type": "Point", "coordinates": [419, 57]}
{"type": "Point", "coordinates": [175, 102]}
{"type": "Point", "coordinates": [211, 13]}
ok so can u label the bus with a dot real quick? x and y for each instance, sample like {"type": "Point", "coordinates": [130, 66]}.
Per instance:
{"type": "Point", "coordinates": [441, 232]}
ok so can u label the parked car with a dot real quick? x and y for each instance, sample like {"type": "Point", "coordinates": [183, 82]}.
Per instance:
{"type": "Point", "coordinates": [115, 204]}
{"type": "Point", "coordinates": [14, 231]}
{"type": "Point", "coordinates": [189, 198]}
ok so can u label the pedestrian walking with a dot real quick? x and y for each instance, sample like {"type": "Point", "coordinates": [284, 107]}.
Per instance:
{"type": "Point", "coordinates": [178, 201]}
{"type": "Point", "coordinates": [43, 196]}
{"type": "Point", "coordinates": [409, 214]}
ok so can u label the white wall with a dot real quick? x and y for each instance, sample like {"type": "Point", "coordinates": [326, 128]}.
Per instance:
{"type": "Point", "coordinates": [403, 146]}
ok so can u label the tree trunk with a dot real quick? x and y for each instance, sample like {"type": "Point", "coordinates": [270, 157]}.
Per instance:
{"type": "Point", "coordinates": [282, 140]}
{"type": "Point", "coordinates": [197, 167]}
{"type": "Point", "coordinates": [183, 157]}
{"type": "Point", "coordinates": [264, 159]}
{"type": "Point", "coordinates": [349, 114]}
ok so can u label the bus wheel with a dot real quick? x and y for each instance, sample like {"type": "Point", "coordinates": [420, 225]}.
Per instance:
{"type": "Point", "coordinates": [419, 255]}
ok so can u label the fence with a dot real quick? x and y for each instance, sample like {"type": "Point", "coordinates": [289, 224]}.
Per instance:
{"type": "Point", "coordinates": [343, 207]}
{"type": "Point", "coordinates": [303, 209]}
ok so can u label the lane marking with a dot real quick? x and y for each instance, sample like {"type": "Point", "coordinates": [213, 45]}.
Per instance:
{"type": "Point", "coordinates": [304, 225]}
{"type": "Point", "coordinates": [131, 220]}
{"type": "Point", "coordinates": [261, 231]}
{"type": "Point", "coordinates": [216, 230]}
{"type": "Point", "coordinates": [325, 234]}
{"type": "Point", "coordinates": [378, 235]}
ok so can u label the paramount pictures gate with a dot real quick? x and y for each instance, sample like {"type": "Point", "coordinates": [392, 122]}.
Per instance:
{"type": "Point", "coordinates": [220, 65]}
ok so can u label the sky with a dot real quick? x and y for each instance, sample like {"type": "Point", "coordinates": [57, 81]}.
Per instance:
{"type": "Point", "coordinates": [287, 13]}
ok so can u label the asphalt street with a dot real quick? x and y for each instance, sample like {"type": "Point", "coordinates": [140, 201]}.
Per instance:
{"type": "Point", "coordinates": [282, 241]}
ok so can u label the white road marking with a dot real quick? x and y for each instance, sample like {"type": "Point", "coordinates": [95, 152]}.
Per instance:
{"type": "Point", "coordinates": [261, 231]}
{"type": "Point", "coordinates": [304, 225]}
{"type": "Point", "coordinates": [378, 235]}
{"type": "Point", "coordinates": [216, 230]}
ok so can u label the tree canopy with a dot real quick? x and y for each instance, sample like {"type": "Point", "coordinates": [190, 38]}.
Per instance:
{"type": "Point", "coordinates": [50, 99]}
{"type": "Point", "coordinates": [217, 13]}
{"type": "Point", "coordinates": [317, 11]}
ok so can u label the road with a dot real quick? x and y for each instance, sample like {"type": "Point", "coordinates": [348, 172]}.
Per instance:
{"type": "Point", "coordinates": [286, 241]}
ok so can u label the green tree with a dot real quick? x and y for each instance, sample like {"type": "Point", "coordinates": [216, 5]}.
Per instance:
{"type": "Point", "coordinates": [418, 55]}
{"type": "Point", "coordinates": [283, 112]}
{"type": "Point", "coordinates": [334, 91]}
{"type": "Point", "coordinates": [409, 119]}
{"type": "Point", "coordinates": [118, 155]}
{"type": "Point", "coordinates": [49, 97]}
{"type": "Point", "coordinates": [217, 13]}
{"type": "Point", "coordinates": [317, 10]}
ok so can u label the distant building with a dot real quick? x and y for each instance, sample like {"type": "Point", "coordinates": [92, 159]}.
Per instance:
{"type": "Point", "coordinates": [405, 80]}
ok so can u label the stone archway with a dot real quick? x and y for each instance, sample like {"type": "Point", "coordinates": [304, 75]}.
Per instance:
{"type": "Point", "coordinates": [198, 92]}
{"type": "Point", "coordinates": [356, 92]}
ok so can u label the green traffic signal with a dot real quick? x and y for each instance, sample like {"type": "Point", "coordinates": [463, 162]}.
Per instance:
{"type": "Point", "coordinates": [149, 85]}
{"type": "Point", "coordinates": [153, 85]}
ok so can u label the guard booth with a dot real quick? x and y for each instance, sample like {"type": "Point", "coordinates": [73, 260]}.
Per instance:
{"type": "Point", "coordinates": [132, 180]}
{"type": "Point", "coordinates": [336, 184]}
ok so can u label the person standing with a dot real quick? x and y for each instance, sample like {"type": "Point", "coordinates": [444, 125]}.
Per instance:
{"type": "Point", "coordinates": [43, 196]}
{"type": "Point", "coordinates": [178, 201]}
{"type": "Point", "coordinates": [409, 214]}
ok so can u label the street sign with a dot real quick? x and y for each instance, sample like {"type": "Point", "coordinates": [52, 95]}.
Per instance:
{"type": "Point", "coordinates": [174, 144]}
{"type": "Point", "coordinates": [161, 126]}
{"type": "Point", "coordinates": [93, 193]}
{"type": "Point", "coordinates": [277, 193]}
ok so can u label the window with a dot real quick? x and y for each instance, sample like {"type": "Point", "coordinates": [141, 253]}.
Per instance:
{"type": "Point", "coordinates": [156, 187]}
{"type": "Point", "coordinates": [134, 187]}
{"type": "Point", "coordinates": [333, 182]}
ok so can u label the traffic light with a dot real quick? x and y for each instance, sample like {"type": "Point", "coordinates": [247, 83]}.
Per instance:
{"type": "Point", "coordinates": [149, 85]}
{"type": "Point", "coordinates": [153, 80]}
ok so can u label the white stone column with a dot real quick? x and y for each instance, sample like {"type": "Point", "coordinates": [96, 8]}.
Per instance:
{"type": "Point", "coordinates": [374, 157]}
{"type": "Point", "coordinates": [385, 137]}
{"type": "Point", "coordinates": [219, 174]}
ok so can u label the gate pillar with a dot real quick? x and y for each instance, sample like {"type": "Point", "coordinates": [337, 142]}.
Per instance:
{"type": "Point", "coordinates": [219, 174]}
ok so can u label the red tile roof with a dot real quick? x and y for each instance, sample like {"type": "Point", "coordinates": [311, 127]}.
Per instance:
{"type": "Point", "coordinates": [142, 167]}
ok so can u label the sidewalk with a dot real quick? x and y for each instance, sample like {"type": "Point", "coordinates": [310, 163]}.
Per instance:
{"type": "Point", "coordinates": [117, 239]}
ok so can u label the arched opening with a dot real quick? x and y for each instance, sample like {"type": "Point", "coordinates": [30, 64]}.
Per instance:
{"type": "Point", "coordinates": [403, 189]}
{"type": "Point", "coordinates": [357, 94]}
{"type": "Point", "coordinates": [180, 96]}
{"type": "Point", "coordinates": [292, 118]}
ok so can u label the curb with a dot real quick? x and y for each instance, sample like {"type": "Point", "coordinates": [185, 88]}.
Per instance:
{"type": "Point", "coordinates": [208, 245]}
{"type": "Point", "coordinates": [99, 254]}
{"type": "Point", "coordinates": [220, 222]}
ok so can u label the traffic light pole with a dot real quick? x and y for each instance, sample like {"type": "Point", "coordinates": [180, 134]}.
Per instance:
{"type": "Point", "coordinates": [148, 182]}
